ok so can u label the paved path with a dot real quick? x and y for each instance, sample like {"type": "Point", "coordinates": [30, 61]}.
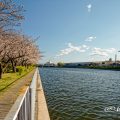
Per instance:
{"type": "Point", "coordinates": [42, 110]}
{"type": "Point", "coordinates": [8, 97]}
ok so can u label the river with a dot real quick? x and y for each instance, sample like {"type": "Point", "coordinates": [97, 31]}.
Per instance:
{"type": "Point", "coordinates": [82, 94]}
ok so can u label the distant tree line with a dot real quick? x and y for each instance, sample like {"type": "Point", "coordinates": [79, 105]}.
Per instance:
{"type": "Point", "coordinates": [16, 49]}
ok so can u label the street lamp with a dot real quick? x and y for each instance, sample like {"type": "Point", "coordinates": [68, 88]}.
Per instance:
{"type": "Point", "coordinates": [119, 51]}
{"type": "Point", "coordinates": [116, 58]}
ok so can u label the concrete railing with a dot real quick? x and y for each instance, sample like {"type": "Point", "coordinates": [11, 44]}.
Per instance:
{"type": "Point", "coordinates": [24, 107]}
{"type": "Point", "coordinates": [33, 88]}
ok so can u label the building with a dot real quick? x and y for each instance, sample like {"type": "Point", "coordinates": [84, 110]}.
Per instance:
{"type": "Point", "coordinates": [77, 64]}
{"type": "Point", "coordinates": [49, 64]}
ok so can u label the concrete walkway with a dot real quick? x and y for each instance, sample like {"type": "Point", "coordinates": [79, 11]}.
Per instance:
{"type": "Point", "coordinates": [42, 110]}
{"type": "Point", "coordinates": [9, 96]}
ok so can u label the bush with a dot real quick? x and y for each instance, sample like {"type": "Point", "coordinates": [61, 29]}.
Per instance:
{"type": "Point", "coordinates": [23, 69]}
{"type": "Point", "coordinates": [20, 69]}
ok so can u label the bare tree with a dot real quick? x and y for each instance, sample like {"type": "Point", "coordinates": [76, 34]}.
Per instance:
{"type": "Point", "coordinates": [10, 14]}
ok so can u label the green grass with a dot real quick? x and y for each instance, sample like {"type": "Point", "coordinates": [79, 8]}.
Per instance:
{"type": "Point", "coordinates": [9, 78]}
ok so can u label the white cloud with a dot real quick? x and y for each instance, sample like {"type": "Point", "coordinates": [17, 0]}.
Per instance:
{"type": "Point", "coordinates": [90, 38]}
{"type": "Point", "coordinates": [71, 48]}
{"type": "Point", "coordinates": [102, 52]}
{"type": "Point", "coordinates": [89, 6]}
{"type": "Point", "coordinates": [93, 51]}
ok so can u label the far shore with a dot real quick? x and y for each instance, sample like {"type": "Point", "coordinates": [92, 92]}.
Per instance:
{"type": "Point", "coordinates": [114, 68]}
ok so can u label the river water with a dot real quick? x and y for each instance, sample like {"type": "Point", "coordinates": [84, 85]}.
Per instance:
{"type": "Point", "coordinates": [82, 94]}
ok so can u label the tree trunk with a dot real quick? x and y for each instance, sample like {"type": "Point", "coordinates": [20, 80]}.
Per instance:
{"type": "Point", "coordinates": [5, 68]}
{"type": "Point", "coordinates": [13, 66]}
{"type": "Point", "coordinates": [0, 71]}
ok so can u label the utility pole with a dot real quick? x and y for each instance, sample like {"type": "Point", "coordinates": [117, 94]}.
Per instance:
{"type": "Point", "coordinates": [118, 51]}
{"type": "Point", "coordinates": [115, 58]}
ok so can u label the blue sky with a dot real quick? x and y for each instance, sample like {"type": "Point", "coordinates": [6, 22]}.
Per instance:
{"type": "Point", "coordinates": [74, 30]}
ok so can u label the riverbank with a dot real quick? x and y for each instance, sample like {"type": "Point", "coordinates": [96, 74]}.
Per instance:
{"type": "Point", "coordinates": [9, 78]}
{"type": "Point", "coordinates": [102, 67]}
{"type": "Point", "coordinates": [30, 102]}
{"type": "Point", "coordinates": [41, 105]}
{"type": "Point", "coordinates": [9, 95]}
{"type": "Point", "coordinates": [91, 67]}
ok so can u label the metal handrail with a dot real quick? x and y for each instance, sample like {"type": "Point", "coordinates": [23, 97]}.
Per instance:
{"type": "Point", "coordinates": [14, 113]}
{"type": "Point", "coordinates": [24, 107]}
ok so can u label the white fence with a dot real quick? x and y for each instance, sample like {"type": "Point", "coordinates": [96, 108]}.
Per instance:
{"type": "Point", "coordinates": [24, 107]}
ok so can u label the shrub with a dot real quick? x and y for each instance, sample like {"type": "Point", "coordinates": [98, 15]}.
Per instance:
{"type": "Point", "coordinates": [20, 69]}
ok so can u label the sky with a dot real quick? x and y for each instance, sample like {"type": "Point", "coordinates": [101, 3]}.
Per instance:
{"type": "Point", "coordinates": [74, 30]}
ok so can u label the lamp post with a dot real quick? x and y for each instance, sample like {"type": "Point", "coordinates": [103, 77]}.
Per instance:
{"type": "Point", "coordinates": [119, 51]}
{"type": "Point", "coordinates": [116, 59]}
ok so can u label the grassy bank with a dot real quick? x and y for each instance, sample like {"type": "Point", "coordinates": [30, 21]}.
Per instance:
{"type": "Point", "coordinates": [9, 78]}
{"type": "Point", "coordinates": [106, 67]}
{"type": "Point", "coordinates": [117, 68]}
